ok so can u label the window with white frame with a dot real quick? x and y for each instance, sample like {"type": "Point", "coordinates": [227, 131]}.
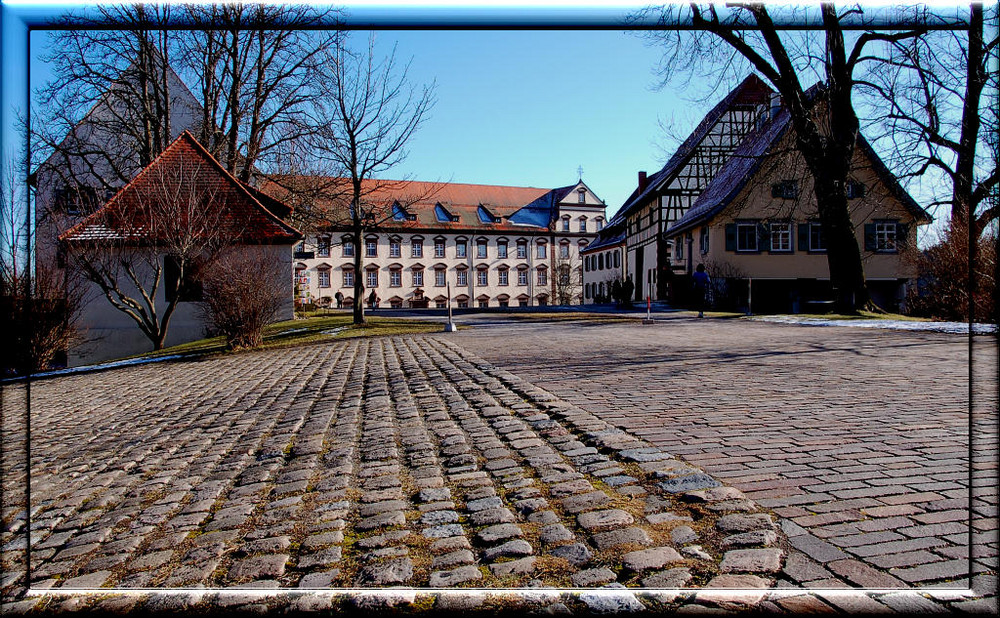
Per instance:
{"type": "Point", "coordinates": [522, 250]}
{"type": "Point", "coordinates": [482, 277]}
{"type": "Point", "coordinates": [564, 250]}
{"type": "Point", "coordinates": [703, 240]}
{"type": "Point", "coordinates": [463, 303]}
{"type": "Point", "coordinates": [440, 277]}
{"type": "Point", "coordinates": [817, 239]}
{"type": "Point", "coordinates": [394, 248]}
{"type": "Point", "coordinates": [600, 224]}
{"type": "Point", "coordinates": [348, 279]}
{"type": "Point", "coordinates": [522, 276]}
{"type": "Point", "coordinates": [395, 277]}
{"type": "Point", "coordinates": [417, 247]}
{"type": "Point", "coordinates": [481, 248]}
{"type": "Point", "coordinates": [463, 277]}
{"type": "Point", "coordinates": [746, 236]}
{"type": "Point", "coordinates": [371, 247]}
{"type": "Point", "coordinates": [781, 236]}
{"type": "Point", "coordinates": [439, 248]}
{"type": "Point", "coordinates": [441, 304]}
{"type": "Point", "coordinates": [371, 279]}
{"type": "Point", "coordinates": [543, 277]}
{"type": "Point", "coordinates": [583, 224]}
{"type": "Point", "coordinates": [540, 251]}
{"type": "Point", "coordinates": [581, 196]}
{"type": "Point", "coordinates": [323, 246]}
{"type": "Point", "coordinates": [502, 275]}
{"type": "Point", "coordinates": [502, 249]}
{"type": "Point", "coordinates": [484, 303]}
{"type": "Point", "coordinates": [565, 226]}
{"type": "Point", "coordinates": [461, 249]}
{"type": "Point", "coordinates": [323, 277]}
{"type": "Point", "coordinates": [885, 236]}
{"type": "Point", "coordinates": [347, 247]}
{"type": "Point", "coordinates": [418, 278]}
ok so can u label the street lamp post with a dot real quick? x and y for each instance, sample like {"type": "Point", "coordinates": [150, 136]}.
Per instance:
{"type": "Point", "coordinates": [450, 326]}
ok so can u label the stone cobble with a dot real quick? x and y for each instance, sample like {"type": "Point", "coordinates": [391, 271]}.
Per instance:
{"type": "Point", "coordinates": [364, 464]}
{"type": "Point", "coordinates": [857, 439]}
{"type": "Point", "coordinates": [412, 461]}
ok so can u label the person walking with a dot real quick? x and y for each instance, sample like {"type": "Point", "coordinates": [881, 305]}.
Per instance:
{"type": "Point", "coordinates": [627, 288]}
{"type": "Point", "coordinates": [701, 282]}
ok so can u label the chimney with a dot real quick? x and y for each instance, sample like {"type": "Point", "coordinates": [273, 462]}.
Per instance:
{"type": "Point", "coordinates": [642, 181]}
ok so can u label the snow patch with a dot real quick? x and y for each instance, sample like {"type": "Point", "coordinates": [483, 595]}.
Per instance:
{"type": "Point", "coordinates": [128, 362]}
{"type": "Point", "coordinates": [957, 328]}
{"type": "Point", "coordinates": [333, 331]}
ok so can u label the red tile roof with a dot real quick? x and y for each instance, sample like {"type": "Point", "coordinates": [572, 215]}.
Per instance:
{"type": "Point", "coordinates": [416, 198]}
{"type": "Point", "coordinates": [183, 174]}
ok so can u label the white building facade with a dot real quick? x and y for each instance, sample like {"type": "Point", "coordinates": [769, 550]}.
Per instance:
{"type": "Point", "coordinates": [496, 247]}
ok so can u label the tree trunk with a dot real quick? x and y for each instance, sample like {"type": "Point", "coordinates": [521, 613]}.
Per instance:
{"type": "Point", "coordinates": [843, 256]}
{"type": "Point", "coordinates": [359, 289]}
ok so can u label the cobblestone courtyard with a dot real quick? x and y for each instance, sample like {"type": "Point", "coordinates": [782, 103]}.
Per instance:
{"type": "Point", "coordinates": [753, 456]}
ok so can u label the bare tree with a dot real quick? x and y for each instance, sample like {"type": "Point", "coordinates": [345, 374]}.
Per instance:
{"type": "Point", "coordinates": [569, 279]}
{"type": "Point", "coordinates": [369, 112]}
{"type": "Point", "coordinates": [146, 245]}
{"type": "Point", "coordinates": [120, 83]}
{"type": "Point", "coordinates": [824, 120]}
{"type": "Point", "coordinates": [241, 294]}
{"type": "Point", "coordinates": [40, 305]}
{"type": "Point", "coordinates": [257, 68]}
{"type": "Point", "coordinates": [936, 107]}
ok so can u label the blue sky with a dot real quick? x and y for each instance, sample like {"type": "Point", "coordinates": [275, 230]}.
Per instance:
{"type": "Point", "coordinates": [523, 108]}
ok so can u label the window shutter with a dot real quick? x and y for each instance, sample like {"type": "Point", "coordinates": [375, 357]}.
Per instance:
{"type": "Point", "coordinates": [902, 230]}
{"type": "Point", "coordinates": [803, 237]}
{"type": "Point", "coordinates": [869, 236]}
{"type": "Point", "coordinates": [730, 237]}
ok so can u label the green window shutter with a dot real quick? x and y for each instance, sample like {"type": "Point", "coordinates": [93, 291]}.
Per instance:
{"type": "Point", "coordinates": [869, 236]}
{"type": "Point", "coordinates": [803, 237]}
{"type": "Point", "coordinates": [730, 237]}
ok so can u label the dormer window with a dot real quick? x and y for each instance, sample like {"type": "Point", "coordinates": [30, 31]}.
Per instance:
{"type": "Point", "coordinates": [398, 213]}
{"type": "Point", "coordinates": [486, 216]}
{"type": "Point", "coordinates": [581, 196]}
{"type": "Point", "coordinates": [442, 214]}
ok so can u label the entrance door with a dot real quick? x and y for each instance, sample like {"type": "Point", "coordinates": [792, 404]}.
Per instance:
{"type": "Point", "coordinates": [639, 277]}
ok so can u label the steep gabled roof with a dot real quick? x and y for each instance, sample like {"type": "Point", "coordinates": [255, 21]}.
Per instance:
{"type": "Point", "coordinates": [751, 90]}
{"type": "Point", "coordinates": [184, 168]}
{"type": "Point", "coordinates": [746, 161]}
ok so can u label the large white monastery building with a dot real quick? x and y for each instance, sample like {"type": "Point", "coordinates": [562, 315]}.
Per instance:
{"type": "Point", "coordinates": [497, 246]}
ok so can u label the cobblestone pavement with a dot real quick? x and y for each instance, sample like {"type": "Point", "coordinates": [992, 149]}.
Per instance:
{"type": "Point", "coordinates": [858, 439]}
{"type": "Point", "coordinates": [364, 464]}
{"type": "Point", "coordinates": [414, 463]}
